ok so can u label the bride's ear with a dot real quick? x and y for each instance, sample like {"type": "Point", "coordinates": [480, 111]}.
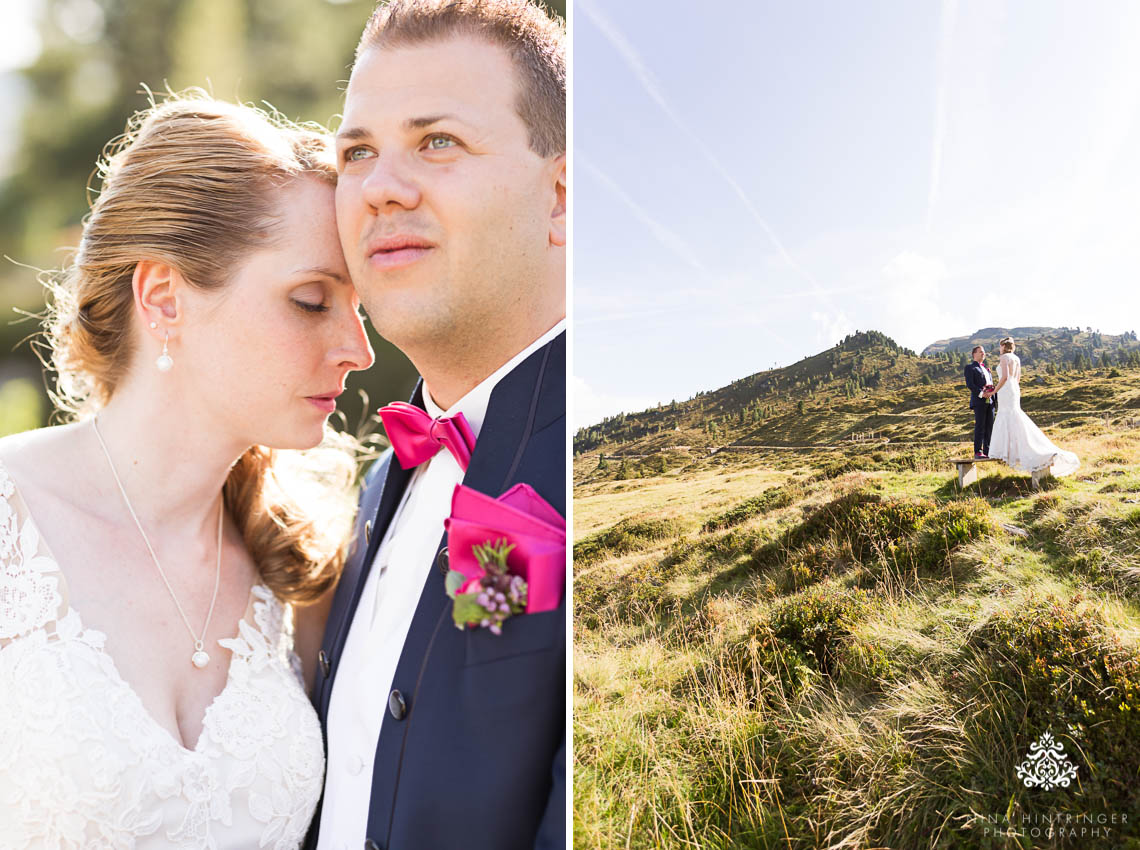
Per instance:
{"type": "Point", "coordinates": [158, 294]}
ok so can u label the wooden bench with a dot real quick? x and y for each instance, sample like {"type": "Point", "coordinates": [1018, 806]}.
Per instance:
{"type": "Point", "coordinates": [968, 471]}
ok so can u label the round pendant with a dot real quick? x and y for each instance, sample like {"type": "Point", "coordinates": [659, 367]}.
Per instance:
{"type": "Point", "coordinates": [200, 659]}
{"type": "Point", "coordinates": [164, 363]}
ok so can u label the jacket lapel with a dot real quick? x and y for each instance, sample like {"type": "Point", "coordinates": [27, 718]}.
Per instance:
{"type": "Point", "coordinates": [357, 568]}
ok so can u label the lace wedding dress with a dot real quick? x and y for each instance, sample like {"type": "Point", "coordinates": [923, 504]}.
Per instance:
{"type": "Point", "coordinates": [1015, 438]}
{"type": "Point", "coordinates": [82, 762]}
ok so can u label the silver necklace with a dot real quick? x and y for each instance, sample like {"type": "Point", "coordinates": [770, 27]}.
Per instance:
{"type": "Point", "coordinates": [200, 658]}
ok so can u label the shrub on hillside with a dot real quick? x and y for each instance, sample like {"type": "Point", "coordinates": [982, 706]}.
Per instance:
{"type": "Point", "coordinates": [771, 499]}
{"type": "Point", "coordinates": [628, 535]}
{"type": "Point", "coordinates": [944, 530]}
{"type": "Point", "coordinates": [818, 623]}
{"type": "Point", "coordinates": [915, 534]}
{"type": "Point", "coordinates": [1058, 668]}
{"type": "Point", "coordinates": [759, 668]}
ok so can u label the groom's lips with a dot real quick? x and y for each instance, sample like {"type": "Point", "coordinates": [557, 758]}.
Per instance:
{"type": "Point", "coordinates": [395, 252]}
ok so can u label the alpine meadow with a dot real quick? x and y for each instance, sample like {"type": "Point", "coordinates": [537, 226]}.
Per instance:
{"type": "Point", "coordinates": [794, 629]}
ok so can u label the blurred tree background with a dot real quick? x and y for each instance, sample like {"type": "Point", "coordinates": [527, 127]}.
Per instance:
{"type": "Point", "coordinates": [73, 71]}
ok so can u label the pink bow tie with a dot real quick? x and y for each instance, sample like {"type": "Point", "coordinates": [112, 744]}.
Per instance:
{"type": "Point", "coordinates": [416, 437]}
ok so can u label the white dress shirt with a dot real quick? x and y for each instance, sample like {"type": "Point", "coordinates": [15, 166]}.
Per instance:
{"type": "Point", "coordinates": [404, 559]}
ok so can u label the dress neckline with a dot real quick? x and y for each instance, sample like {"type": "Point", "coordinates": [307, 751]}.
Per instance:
{"type": "Point", "coordinates": [94, 638]}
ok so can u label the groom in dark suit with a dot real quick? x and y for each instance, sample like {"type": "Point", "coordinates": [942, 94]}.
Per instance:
{"type": "Point", "coordinates": [451, 210]}
{"type": "Point", "coordinates": [984, 405]}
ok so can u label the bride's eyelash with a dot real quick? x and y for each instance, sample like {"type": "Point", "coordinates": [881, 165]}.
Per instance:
{"type": "Point", "coordinates": [311, 308]}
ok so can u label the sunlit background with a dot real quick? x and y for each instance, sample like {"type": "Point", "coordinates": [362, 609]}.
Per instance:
{"type": "Point", "coordinates": [71, 74]}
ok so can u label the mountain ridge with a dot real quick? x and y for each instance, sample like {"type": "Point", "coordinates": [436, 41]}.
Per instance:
{"type": "Point", "coordinates": [845, 391]}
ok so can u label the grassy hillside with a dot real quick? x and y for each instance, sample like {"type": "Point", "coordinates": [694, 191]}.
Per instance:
{"type": "Point", "coordinates": [804, 641]}
{"type": "Point", "coordinates": [867, 383]}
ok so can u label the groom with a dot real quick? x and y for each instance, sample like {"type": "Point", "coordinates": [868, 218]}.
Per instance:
{"type": "Point", "coordinates": [451, 210]}
{"type": "Point", "coordinates": [980, 382]}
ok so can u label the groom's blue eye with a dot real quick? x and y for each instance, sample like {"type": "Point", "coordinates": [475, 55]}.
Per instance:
{"type": "Point", "coordinates": [355, 154]}
{"type": "Point", "coordinates": [439, 143]}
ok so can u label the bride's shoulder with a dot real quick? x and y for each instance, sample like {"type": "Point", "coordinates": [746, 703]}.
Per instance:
{"type": "Point", "coordinates": [41, 454]}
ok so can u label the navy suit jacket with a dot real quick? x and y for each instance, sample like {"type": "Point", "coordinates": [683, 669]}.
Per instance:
{"type": "Point", "coordinates": [977, 377]}
{"type": "Point", "coordinates": [476, 755]}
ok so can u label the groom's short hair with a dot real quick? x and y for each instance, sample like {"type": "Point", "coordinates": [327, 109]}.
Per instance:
{"type": "Point", "coordinates": [535, 42]}
{"type": "Point", "coordinates": [974, 350]}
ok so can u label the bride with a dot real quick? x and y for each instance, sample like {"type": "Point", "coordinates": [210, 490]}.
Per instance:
{"type": "Point", "coordinates": [150, 549]}
{"type": "Point", "coordinates": [1016, 439]}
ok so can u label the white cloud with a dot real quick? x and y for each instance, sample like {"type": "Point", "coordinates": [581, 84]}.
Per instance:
{"type": "Point", "coordinates": [591, 407]}
{"type": "Point", "coordinates": [912, 299]}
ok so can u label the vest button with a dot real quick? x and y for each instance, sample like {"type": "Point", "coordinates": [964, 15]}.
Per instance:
{"type": "Point", "coordinates": [323, 660]}
{"type": "Point", "coordinates": [368, 532]}
{"type": "Point", "coordinates": [369, 844]}
{"type": "Point", "coordinates": [443, 561]}
{"type": "Point", "coordinates": [396, 705]}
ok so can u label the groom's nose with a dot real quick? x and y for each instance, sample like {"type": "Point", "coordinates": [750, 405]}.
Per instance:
{"type": "Point", "coordinates": [390, 183]}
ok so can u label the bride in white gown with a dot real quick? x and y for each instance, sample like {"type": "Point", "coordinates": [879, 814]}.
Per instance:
{"type": "Point", "coordinates": [1015, 438]}
{"type": "Point", "coordinates": [150, 694]}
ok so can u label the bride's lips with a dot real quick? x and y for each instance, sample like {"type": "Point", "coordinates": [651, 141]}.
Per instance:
{"type": "Point", "coordinates": [325, 401]}
{"type": "Point", "coordinates": [394, 252]}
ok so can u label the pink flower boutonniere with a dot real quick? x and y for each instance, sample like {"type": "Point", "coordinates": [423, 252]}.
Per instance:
{"type": "Point", "coordinates": [507, 556]}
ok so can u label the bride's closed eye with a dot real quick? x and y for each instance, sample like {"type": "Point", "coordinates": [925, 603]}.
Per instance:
{"type": "Point", "coordinates": [310, 298]}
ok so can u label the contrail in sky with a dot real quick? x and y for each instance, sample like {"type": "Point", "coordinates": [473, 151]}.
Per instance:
{"type": "Point", "coordinates": [633, 59]}
{"type": "Point", "coordinates": [663, 234]}
{"type": "Point", "coordinates": [945, 43]}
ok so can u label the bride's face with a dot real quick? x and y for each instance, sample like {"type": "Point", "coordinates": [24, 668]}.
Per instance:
{"type": "Point", "coordinates": [268, 353]}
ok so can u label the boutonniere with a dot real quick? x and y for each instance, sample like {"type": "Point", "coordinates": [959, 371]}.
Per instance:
{"type": "Point", "coordinates": [507, 556]}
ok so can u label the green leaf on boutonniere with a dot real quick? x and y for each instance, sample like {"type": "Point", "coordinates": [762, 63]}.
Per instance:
{"type": "Point", "coordinates": [453, 582]}
{"type": "Point", "coordinates": [467, 610]}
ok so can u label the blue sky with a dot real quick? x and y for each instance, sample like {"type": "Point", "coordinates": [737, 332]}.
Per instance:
{"type": "Point", "coordinates": [750, 187]}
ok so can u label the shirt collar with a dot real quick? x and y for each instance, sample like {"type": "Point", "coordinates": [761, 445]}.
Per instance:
{"type": "Point", "coordinates": [473, 406]}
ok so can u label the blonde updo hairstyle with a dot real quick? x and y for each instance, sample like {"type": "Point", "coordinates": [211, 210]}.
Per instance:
{"type": "Point", "coordinates": [193, 183]}
{"type": "Point", "coordinates": [1006, 344]}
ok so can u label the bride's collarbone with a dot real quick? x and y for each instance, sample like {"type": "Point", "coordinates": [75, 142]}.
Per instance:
{"type": "Point", "coordinates": [147, 641]}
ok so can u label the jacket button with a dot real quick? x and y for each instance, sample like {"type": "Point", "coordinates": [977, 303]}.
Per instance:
{"type": "Point", "coordinates": [443, 561]}
{"type": "Point", "coordinates": [369, 844]}
{"type": "Point", "coordinates": [396, 705]}
{"type": "Point", "coordinates": [323, 660]}
{"type": "Point", "coordinates": [368, 535]}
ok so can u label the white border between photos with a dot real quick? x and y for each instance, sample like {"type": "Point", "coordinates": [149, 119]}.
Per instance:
{"type": "Point", "coordinates": [569, 423]}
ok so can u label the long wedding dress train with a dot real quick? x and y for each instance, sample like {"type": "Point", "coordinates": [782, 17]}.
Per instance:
{"type": "Point", "coordinates": [1015, 438]}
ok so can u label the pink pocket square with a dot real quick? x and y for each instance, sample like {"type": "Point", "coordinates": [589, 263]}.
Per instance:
{"type": "Point", "coordinates": [528, 523]}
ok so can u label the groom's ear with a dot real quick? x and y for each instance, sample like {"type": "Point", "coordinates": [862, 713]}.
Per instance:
{"type": "Point", "coordinates": [157, 288]}
{"type": "Point", "coordinates": [558, 213]}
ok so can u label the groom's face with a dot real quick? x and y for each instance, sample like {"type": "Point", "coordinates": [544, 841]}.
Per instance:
{"type": "Point", "coordinates": [443, 209]}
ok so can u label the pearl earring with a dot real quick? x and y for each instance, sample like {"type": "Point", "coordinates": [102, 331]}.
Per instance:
{"type": "Point", "coordinates": [164, 361]}
{"type": "Point", "coordinates": [153, 325]}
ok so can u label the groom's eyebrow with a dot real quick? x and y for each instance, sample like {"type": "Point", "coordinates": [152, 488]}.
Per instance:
{"type": "Point", "coordinates": [355, 134]}
{"type": "Point", "coordinates": [427, 121]}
